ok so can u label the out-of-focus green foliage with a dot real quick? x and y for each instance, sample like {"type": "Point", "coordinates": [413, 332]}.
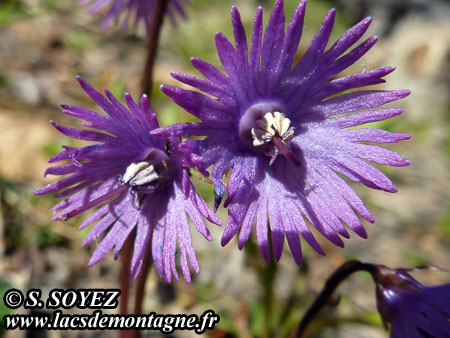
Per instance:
{"type": "Point", "coordinates": [11, 10]}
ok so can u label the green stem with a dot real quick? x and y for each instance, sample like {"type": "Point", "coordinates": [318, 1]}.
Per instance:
{"type": "Point", "coordinates": [269, 274]}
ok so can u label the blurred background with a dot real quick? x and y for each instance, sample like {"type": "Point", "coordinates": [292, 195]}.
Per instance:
{"type": "Point", "coordinates": [45, 43]}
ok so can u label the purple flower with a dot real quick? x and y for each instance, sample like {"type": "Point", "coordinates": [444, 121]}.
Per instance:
{"type": "Point", "coordinates": [282, 130]}
{"type": "Point", "coordinates": [140, 175]}
{"type": "Point", "coordinates": [141, 9]}
{"type": "Point", "coordinates": [412, 309]}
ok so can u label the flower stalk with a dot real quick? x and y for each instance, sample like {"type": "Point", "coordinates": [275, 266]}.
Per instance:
{"type": "Point", "coordinates": [344, 271]}
{"type": "Point", "coordinates": [152, 45]}
{"type": "Point", "coordinates": [146, 87]}
{"type": "Point", "coordinates": [124, 280]}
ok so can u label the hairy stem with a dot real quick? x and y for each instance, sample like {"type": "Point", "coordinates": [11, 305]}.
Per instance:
{"type": "Point", "coordinates": [153, 42]}
{"type": "Point", "coordinates": [124, 279]}
{"type": "Point", "coordinates": [142, 280]}
{"type": "Point", "coordinates": [332, 283]}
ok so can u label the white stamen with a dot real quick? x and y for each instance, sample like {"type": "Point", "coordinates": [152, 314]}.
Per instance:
{"type": "Point", "coordinates": [137, 200]}
{"type": "Point", "coordinates": [271, 125]}
{"type": "Point", "coordinates": [132, 170]}
{"type": "Point", "coordinates": [146, 176]}
{"type": "Point", "coordinates": [143, 178]}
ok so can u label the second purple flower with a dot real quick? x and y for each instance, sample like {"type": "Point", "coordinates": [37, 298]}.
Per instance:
{"type": "Point", "coordinates": [143, 179]}
{"type": "Point", "coordinates": [411, 308]}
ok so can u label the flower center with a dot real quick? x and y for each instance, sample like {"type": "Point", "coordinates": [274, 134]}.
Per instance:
{"type": "Point", "coordinates": [146, 177]}
{"type": "Point", "coordinates": [264, 127]}
{"type": "Point", "coordinates": [140, 179]}
{"type": "Point", "coordinates": [272, 125]}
